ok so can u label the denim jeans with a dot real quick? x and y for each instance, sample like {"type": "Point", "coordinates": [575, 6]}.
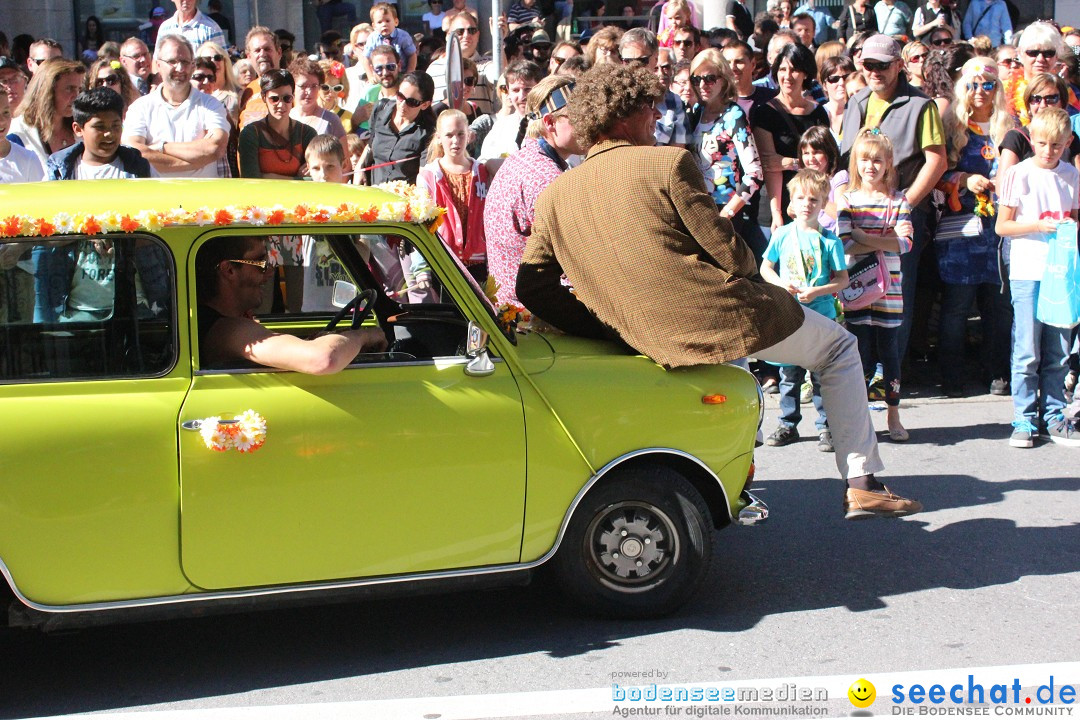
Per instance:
{"type": "Point", "coordinates": [791, 380]}
{"type": "Point", "coordinates": [996, 318]}
{"type": "Point", "coordinates": [909, 275]}
{"type": "Point", "coordinates": [1040, 359]}
{"type": "Point", "coordinates": [880, 344]}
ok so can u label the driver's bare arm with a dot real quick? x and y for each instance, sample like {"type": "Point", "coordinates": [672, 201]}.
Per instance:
{"type": "Point", "coordinates": [324, 355]}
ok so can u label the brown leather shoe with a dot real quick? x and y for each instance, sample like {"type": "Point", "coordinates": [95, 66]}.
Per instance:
{"type": "Point", "coordinates": [862, 504]}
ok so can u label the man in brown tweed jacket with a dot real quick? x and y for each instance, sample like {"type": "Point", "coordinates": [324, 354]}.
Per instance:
{"type": "Point", "coordinates": [653, 263]}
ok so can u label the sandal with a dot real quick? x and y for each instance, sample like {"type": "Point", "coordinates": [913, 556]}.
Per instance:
{"type": "Point", "coordinates": [899, 435]}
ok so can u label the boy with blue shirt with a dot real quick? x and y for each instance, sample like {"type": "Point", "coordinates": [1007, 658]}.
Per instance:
{"type": "Point", "coordinates": [808, 261]}
{"type": "Point", "coordinates": [384, 21]}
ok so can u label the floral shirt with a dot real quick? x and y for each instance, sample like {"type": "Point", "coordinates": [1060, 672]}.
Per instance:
{"type": "Point", "coordinates": [509, 211]}
{"type": "Point", "coordinates": [728, 156]}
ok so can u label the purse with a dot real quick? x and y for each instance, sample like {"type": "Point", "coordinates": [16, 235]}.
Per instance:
{"type": "Point", "coordinates": [868, 278]}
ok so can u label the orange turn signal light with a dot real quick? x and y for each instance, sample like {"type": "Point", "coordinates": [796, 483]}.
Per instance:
{"type": "Point", "coordinates": [713, 399]}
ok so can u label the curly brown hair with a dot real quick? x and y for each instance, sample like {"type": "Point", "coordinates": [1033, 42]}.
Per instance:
{"type": "Point", "coordinates": [608, 93]}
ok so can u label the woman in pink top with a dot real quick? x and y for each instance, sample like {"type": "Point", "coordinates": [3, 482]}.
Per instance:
{"type": "Point", "coordinates": [511, 200]}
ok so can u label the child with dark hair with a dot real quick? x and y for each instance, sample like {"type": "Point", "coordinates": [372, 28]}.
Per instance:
{"type": "Point", "coordinates": [818, 151]}
{"type": "Point", "coordinates": [98, 121]}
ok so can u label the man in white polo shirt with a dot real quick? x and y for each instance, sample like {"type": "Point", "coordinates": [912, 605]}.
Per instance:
{"type": "Point", "coordinates": [181, 131]}
{"type": "Point", "coordinates": [192, 23]}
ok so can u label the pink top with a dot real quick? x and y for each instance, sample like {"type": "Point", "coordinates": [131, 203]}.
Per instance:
{"type": "Point", "coordinates": [508, 214]}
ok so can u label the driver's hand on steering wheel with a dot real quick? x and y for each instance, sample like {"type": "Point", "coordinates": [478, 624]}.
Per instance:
{"type": "Point", "coordinates": [372, 339]}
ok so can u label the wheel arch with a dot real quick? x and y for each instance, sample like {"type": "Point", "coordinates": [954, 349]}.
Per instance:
{"type": "Point", "coordinates": [694, 470]}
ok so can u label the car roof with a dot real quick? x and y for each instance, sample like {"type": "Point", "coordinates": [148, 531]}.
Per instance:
{"type": "Point", "coordinates": [131, 196]}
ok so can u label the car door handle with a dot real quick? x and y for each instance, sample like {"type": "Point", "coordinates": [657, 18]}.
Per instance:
{"type": "Point", "coordinates": [191, 425]}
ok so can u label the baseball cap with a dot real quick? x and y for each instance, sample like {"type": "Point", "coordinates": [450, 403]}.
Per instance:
{"type": "Point", "coordinates": [881, 48]}
{"type": "Point", "coordinates": [7, 63]}
{"type": "Point", "coordinates": [157, 12]}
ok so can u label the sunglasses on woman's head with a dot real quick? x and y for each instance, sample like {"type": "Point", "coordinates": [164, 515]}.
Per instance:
{"type": "Point", "coordinates": [411, 102]}
{"type": "Point", "coordinates": [1045, 53]}
{"type": "Point", "coordinates": [331, 88]}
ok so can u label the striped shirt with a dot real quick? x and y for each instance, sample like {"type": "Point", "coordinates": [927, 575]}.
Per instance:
{"type": "Point", "coordinates": [875, 214]}
{"type": "Point", "coordinates": [198, 30]}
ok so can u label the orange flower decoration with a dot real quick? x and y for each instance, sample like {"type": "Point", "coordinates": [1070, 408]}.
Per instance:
{"type": "Point", "coordinates": [43, 227]}
{"type": "Point", "coordinates": [370, 215]}
{"type": "Point", "coordinates": [12, 226]}
{"type": "Point", "coordinates": [321, 215]}
{"type": "Point", "coordinates": [91, 226]}
{"type": "Point", "coordinates": [223, 217]}
{"type": "Point", "coordinates": [408, 213]}
{"type": "Point", "coordinates": [276, 217]}
{"type": "Point", "coordinates": [128, 224]}
{"type": "Point", "coordinates": [300, 212]}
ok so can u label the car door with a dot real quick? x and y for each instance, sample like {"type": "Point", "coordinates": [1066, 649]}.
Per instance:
{"type": "Point", "coordinates": [389, 467]}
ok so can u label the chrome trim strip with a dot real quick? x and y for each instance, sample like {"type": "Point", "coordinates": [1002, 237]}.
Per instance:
{"type": "Point", "coordinates": [445, 361]}
{"type": "Point", "coordinates": [196, 597]}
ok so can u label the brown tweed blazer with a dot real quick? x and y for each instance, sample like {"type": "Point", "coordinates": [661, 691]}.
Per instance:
{"type": "Point", "coordinates": [649, 256]}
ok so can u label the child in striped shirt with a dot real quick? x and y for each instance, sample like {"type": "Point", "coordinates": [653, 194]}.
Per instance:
{"type": "Point", "coordinates": [873, 215]}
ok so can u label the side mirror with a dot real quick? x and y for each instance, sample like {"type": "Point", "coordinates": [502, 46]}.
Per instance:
{"type": "Point", "coordinates": [479, 364]}
{"type": "Point", "coordinates": [344, 293]}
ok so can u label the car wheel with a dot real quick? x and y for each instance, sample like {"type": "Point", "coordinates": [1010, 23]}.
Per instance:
{"type": "Point", "coordinates": [637, 546]}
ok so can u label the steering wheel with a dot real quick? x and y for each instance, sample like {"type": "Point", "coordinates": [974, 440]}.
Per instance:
{"type": "Point", "coordinates": [360, 306]}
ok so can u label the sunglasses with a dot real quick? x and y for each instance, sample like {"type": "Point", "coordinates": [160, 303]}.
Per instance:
{"type": "Point", "coordinates": [215, 57]}
{"type": "Point", "coordinates": [38, 61]}
{"type": "Point", "coordinates": [559, 60]}
{"type": "Point", "coordinates": [837, 78]}
{"type": "Point", "coordinates": [470, 81]}
{"type": "Point", "coordinates": [467, 31]}
{"type": "Point", "coordinates": [275, 99]}
{"type": "Point", "coordinates": [987, 86]}
{"type": "Point", "coordinates": [916, 59]}
{"type": "Point", "coordinates": [332, 88]}
{"type": "Point", "coordinates": [107, 80]}
{"type": "Point", "coordinates": [261, 264]}
{"type": "Point", "coordinates": [940, 41]}
{"type": "Point", "coordinates": [642, 61]}
{"type": "Point", "coordinates": [1047, 54]}
{"type": "Point", "coordinates": [1011, 62]}
{"type": "Point", "coordinates": [201, 78]}
{"type": "Point", "coordinates": [703, 79]}
{"type": "Point", "coordinates": [684, 43]}
{"type": "Point", "coordinates": [1054, 99]}
{"type": "Point", "coordinates": [388, 67]}
{"type": "Point", "coordinates": [875, 66]}
{"type": "Point", "coordinates": [856, 50]}
{"type": "Point", "coordinates": [411, 102]}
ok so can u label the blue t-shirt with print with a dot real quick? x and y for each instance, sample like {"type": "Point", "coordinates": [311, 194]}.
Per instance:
{"type": "Point", "coordinates": [807, 259]}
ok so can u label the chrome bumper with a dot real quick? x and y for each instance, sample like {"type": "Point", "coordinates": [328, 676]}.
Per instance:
{"type": "Point", "coordinates": [755, 511]}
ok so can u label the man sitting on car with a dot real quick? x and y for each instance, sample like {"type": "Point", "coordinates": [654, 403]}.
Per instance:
{"type": "Point", "coordinates": [232, 273]}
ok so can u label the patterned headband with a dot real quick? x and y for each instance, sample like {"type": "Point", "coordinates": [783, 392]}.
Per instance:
{"type": "Point", "coordinates": [554, 102]}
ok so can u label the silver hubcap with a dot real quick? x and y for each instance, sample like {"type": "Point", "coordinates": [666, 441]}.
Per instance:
{"type": "Point", "coordinates": [632, 543]}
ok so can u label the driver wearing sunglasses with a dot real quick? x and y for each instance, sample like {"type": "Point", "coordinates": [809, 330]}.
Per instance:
{"type": "Point", "coordinates": [232, 275]}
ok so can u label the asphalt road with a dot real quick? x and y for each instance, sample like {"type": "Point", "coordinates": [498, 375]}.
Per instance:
{"type": "Point", "coordinates": [988, 575]}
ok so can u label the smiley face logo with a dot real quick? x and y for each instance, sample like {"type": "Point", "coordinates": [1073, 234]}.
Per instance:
{"type": "Point", "coordinates": [862, 693]}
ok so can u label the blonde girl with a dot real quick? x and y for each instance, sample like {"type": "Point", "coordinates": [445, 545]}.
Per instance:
{"type": "Point", "coordinates": [873, 215]}
{"type": "Point", "coordinates": [458, 183]}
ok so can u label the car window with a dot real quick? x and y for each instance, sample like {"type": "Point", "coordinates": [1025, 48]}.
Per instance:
{"type": "Point", "coordinates": [86, 308]}
{"type": "Point", "coordinates": [297, 298]}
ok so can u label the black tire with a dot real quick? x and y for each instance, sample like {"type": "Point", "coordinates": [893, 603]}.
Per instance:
{"type": "Point", "coordinates": [637, 546]}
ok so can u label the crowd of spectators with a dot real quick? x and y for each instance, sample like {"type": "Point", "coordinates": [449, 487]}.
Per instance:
{"type": "Point", "coordinates": [757, 102]}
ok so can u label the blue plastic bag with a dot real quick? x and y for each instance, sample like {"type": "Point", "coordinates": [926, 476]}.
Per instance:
{"type": "Point", "coordinates": [1059, 291]}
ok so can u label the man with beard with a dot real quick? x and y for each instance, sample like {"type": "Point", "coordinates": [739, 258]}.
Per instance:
{"type": "Point", "coordinates": [181, 131]}
{"type": "Point", "coordinates": [386, 75]}
{"type": "Point", "coordinates": [262, 48]}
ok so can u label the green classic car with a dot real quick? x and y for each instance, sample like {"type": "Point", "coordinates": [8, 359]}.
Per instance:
{"type": "Point", "coordinates": [137, 478]}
